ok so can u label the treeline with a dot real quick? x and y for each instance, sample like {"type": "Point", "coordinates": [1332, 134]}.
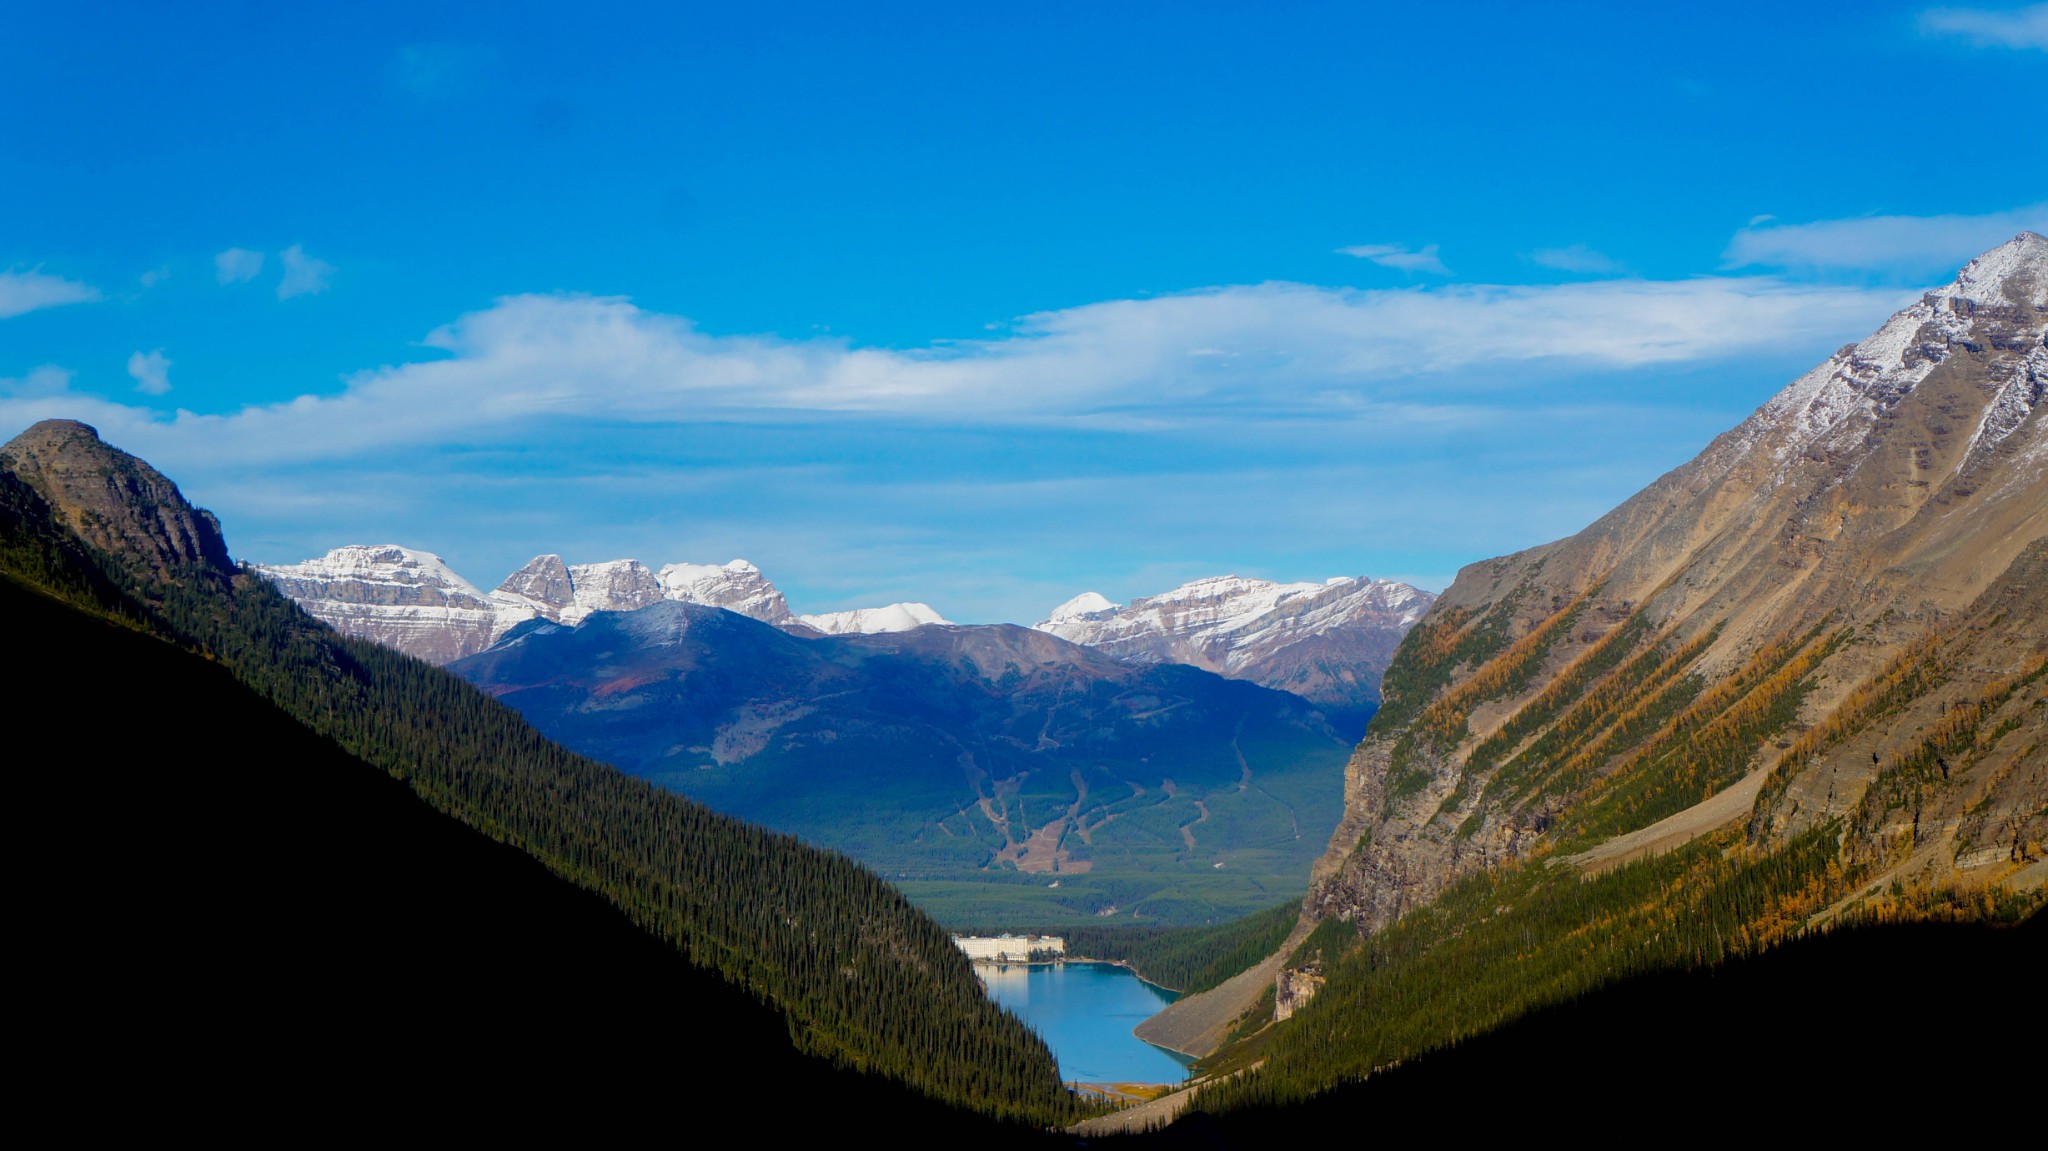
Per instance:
{"type": "Point", "coordinates": [861, 976]}
{"type": "Point", "coordinates": [1503, 942]}
{"type": "Point", "coordinates": [1186, 959]}
{"type": "Point", "coordinates": [1707, 746]}
{"type": "Point", "coordinates": [1445, 722]}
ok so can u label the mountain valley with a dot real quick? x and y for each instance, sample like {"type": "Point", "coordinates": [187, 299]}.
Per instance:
{"type": "Point", "coordinates": [1779, 715]}
{"type": "Point", "coordinates": [992, 771]}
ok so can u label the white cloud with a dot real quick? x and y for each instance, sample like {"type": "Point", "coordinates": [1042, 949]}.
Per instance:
{"type": "Point", "coordinates": [237, 265]}
{"type": "Point", "coordinates": [303, 274]}
{"type": "Point", "coordinates": [155, 276]}
{"type": "Point", "coordinates": [1904, 244]}
{"type": "Point", "coordinates": [1576, 258]}
{"type": "Point", "coordinates": [1407, 357]}
{"type": "Point", "coordinates": [152, 372]}
{"type": "Point", "coordinates": [45, 393]}
{"type": "Point", "coordinates": [1991, 27]}
{"type": "Point", "coordinates": [47, 380]}
{"type": "Point", "coordinates": [1397, 256]}
{"type": "Point", "coordinates": [22, 292]}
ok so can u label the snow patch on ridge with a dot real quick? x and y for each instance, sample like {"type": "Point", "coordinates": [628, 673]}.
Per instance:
{"type": "Point", "coordinates": [1234, 621]}
{"type": "Point", "coordinates": [1835, 404]}
{"type": "Point", "coordinates": [875, 620]}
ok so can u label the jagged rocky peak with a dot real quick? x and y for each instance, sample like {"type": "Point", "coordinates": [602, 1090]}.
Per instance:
{"type": "Point", "coordinates": [545, 579]}
{"type": "Point", "coordinates": [876, 620]}
{"type": "Point", "coordinates": [628, 584]}
{"type": "Point", "coordinates": [553, 590]}
{"type": "Point", "coordinates": [115, 501]}
{"type": "Point", "coordinates": [737, 586]}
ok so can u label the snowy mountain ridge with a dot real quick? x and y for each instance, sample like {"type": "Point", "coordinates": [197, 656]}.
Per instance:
{"type": "Point", "coordinates": [1832, 407]}
{"type": "Point", "coordinates": [413, 601]}
{"type": "Point", "coordinates": [1328, 642]}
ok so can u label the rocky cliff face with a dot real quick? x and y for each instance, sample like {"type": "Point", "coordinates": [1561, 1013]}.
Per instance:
{"type": "Point", "coordinates": [546, 588]}
{"type": "Point", "coordinates": [1327, 642]}
{"type": "Point", "coordinates": [398, 597]}
{"type": "Point", "coordinates": [1839, 608]}
{"type": "Point", "coordinates": [116, 502]}
{"type": "Point", "coordinates": [737, 587]}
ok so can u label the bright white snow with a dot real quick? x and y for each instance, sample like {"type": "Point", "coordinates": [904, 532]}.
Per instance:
{"type": "Point", "coordinates": [874, 620]}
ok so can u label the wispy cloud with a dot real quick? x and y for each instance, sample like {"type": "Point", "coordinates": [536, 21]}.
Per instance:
{"type": "Point", "coordinates": [1397, 256]}
{"type": "Point", "coordinates": [152, 372]}
{"type": "Point", "coordinates": [303, 275]}
{"type": "Point", "coordinates": [1901, 244]}
{"type": "Point", "coordinates": [237, 265]}
{"type": "Point", "coordinates": [22, 292]}
{"type": "Point", "coordinates": [1410, 357]}
{"type": "Point", "coordinates": [1576, 258]}
{"type": "Point", "coordinates": [1991, 27]}
{"type": "Point", "coordinates": [565, 422]}
{"type": "Point", "coordinates": [47, 380]}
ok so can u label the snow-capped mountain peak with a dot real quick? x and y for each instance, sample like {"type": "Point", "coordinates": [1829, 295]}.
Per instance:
{"type": "Point", "coordinates": [873, 620]}
{"type": "Point", "coordinates": [1999, 297]}
{"type": "Point", "coordinates": [1086, 606]}
{"type": "Point", "coordinates": [1328, 641]}
{"type": "Point", "coordinates": [397, 596]}
{"type": "Point", "coordinates": [552, 590]}
{"type": "Point", "coordinates": [736, 586]}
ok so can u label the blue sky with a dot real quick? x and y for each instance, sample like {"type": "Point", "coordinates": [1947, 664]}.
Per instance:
{"type": "Point", "coordinates": [977, 307]}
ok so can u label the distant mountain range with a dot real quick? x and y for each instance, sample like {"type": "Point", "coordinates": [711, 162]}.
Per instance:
{"type": "Point", "coordinates": [1106, 750]}
{"type": "Point", "coordinates": [996, 771]}
{"type": "Point", "coordinates": [1326, 642]}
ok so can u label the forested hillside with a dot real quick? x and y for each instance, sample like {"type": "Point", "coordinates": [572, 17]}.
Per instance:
{"type": "Point", "coordinates": [856, 975]}
{"type": "Point", "coordinates": [1793, 685]}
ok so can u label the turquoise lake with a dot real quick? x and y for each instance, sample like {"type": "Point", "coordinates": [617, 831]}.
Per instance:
{"type": "Point", "coordinates": [1085, 1012]}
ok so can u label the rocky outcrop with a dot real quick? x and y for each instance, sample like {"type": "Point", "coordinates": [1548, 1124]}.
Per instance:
{"type": "Point", "coordinates": [115, 502]}
{"type": "Point", "coordinates": [546, 588]}
{"type": "Point", "coordinates": [737, 587]}
{"type": "Point", "coordinates": [404, 599]}
{"type": "Point", "coordinates": [1844, 592]}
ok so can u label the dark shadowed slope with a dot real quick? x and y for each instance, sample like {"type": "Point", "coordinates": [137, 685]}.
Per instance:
{"type": "Point", "coordinates": [851, 971]}
{"type": "Point", "coordinates": [220, 916]}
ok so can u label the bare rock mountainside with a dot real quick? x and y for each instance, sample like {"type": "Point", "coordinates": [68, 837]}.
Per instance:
{"type": "Point", "coordinates": [412, 601]}
{"type": "Point", "coordinates": [1833, 620]}
{"type": "Point", "coordinates": [115, 503]}
{"type": "Point", "coordinates": [1328, 643]}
